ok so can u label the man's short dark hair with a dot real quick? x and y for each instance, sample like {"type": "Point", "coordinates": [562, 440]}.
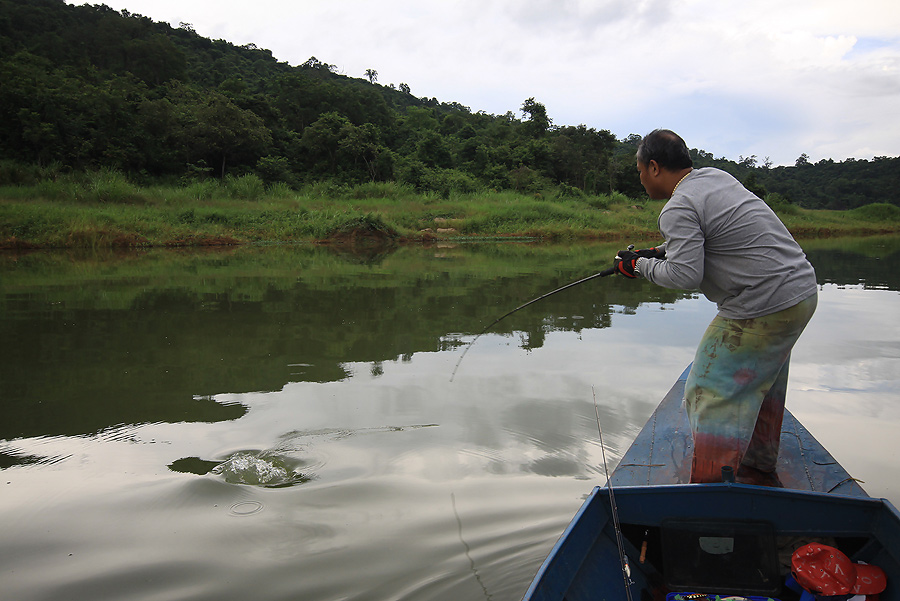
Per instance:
{"type": "Point", "coordinates": [666, 148]}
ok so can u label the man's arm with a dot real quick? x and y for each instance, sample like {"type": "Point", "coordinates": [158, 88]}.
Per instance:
{"type": "Point", "coordinates": [683, 266]}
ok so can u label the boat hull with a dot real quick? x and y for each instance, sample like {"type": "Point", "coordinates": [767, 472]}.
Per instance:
{"type": "Point", "coordinates": [585, 564]}
{"type": "Point", "coordinates": [656, 504]}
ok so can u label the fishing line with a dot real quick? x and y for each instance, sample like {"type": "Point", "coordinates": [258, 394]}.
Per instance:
{"type": "Point", "coordinates": [459, 526]}
{"type": "Point", "coordinates": [623, 558]}
{"type": "Point", "coordinates": [601, 274]}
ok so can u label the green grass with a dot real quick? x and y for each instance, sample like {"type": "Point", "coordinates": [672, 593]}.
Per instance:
{"type": "Point", "coordinates": [104, 209]}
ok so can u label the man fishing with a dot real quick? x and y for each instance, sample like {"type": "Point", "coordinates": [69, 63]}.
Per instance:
{"type": "Point", "coordinates": [721, 238]}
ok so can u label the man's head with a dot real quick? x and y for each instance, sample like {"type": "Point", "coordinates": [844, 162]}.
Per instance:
{"type": "Point", "coordinates": [666, 148]}
{"type": "Point", "coordinates": [662, 160]}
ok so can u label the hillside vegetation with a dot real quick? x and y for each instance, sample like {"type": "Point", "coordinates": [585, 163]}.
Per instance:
{"type": "Point", "coordinates": [116, 130]}
{"type": "Point", "coordinates": [88, 88]}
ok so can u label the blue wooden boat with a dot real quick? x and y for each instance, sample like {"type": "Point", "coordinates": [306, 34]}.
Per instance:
{"type": "Point", "coordinates": [727, 539]}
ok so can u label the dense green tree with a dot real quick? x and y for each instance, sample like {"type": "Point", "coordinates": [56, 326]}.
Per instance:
{"type": "Point", "coordinates": [154, 60]}
{"type": "Point", "coordinates": [274, 169]}
{"type": "Point", "coordinates": [747, 162]}
{"type": "Point", "coordinates": [321, 143]}
{"type": "Point", "coordinates": [751, 183]}
{"type": "Point", "coordinates": [215, 130]}
{"type": "Point", "coordinates": [362, 146]}
{"type": "Point", "coordinates": [582, 156]}
{"type": "Point", "coordinates": [538, 120]}
{"type": "Point", "coordinates": [29, 126]}
{"type": "Point", "coordinates": [86, 87]}
{"type": "Point", "coordinates": [432, 150]}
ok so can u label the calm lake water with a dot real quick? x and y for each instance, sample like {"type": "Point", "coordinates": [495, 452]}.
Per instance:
{"type": "Point", "coordinates": [279, 423]}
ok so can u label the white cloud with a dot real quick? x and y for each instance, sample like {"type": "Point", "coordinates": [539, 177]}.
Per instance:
{"type": "Point", "coordinates": [768, 77]}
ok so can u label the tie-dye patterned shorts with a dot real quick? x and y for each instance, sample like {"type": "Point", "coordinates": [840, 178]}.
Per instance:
{"type": "Point", "coordinates": [735, 393]}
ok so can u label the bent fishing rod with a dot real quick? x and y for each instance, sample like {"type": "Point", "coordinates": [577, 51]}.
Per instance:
{"type": "Point", "coordinates": [601, 274]}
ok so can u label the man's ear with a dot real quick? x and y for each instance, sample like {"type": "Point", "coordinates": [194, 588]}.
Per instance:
{"type": "Point", "coordinates": [653, 168]}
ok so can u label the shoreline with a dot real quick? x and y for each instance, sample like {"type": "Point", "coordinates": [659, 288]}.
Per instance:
{"type": "Point", "coordinates": [28, 223]}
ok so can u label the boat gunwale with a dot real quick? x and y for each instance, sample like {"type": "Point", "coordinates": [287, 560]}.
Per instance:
{"type": "Point", "coordinates": [869, 513]}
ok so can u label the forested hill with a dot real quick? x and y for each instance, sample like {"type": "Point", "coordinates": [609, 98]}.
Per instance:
{"type": "Point", "coordinates": [88, 87]}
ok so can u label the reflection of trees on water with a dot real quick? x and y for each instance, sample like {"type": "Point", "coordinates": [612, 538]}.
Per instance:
{"type": "Point", "coordinates": [78, 368]}
{"type": "Point", "coordinates": [850, 269]}
{"type": "Point", "coordinates": [94, 352]}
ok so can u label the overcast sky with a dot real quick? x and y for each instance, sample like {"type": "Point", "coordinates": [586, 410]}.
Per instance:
{"type": "Point", "coordinates": [772, 78]}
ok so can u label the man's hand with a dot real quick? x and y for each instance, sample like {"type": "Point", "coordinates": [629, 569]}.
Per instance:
{"type": "Point", "coordinates": [652, 253]}
{"type": "Point", "coordinates": [625, 262]}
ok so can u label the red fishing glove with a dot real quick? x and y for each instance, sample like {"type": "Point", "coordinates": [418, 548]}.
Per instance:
{"type": "Point", "coordinates": [625, 261]}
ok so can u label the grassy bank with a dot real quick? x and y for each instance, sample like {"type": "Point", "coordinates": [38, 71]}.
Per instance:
{"type": "Point", "coordinates": [105, 210]}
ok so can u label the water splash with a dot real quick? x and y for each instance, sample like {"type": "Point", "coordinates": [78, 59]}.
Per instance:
{"type": "Point", "coordinates": [256, 468]}
{"type": "Point", "coordinates": [279, 466]}
{"type": "Point", "coordinates": [259, 469]}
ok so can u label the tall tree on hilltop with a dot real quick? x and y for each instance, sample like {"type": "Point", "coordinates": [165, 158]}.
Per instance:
{"type": "Point", "coordinates": [538, 122]}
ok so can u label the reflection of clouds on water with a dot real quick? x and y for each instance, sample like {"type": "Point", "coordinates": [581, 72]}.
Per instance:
{"type": "Point", "coordinates": [845, 380]}
{"type": "Point", "coordinates": [511, 413]}
{"type": "Point", "coordinates": [849, 366]}
{"type": "Point", "coordinates": [296, 459]}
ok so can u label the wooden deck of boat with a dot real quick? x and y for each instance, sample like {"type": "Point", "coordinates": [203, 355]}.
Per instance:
{"type": "Point", "coordinates": [661, 454]}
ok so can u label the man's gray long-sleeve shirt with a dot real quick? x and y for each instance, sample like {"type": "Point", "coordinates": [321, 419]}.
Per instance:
{"type": "Point", "coordinates": [722, 239]}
